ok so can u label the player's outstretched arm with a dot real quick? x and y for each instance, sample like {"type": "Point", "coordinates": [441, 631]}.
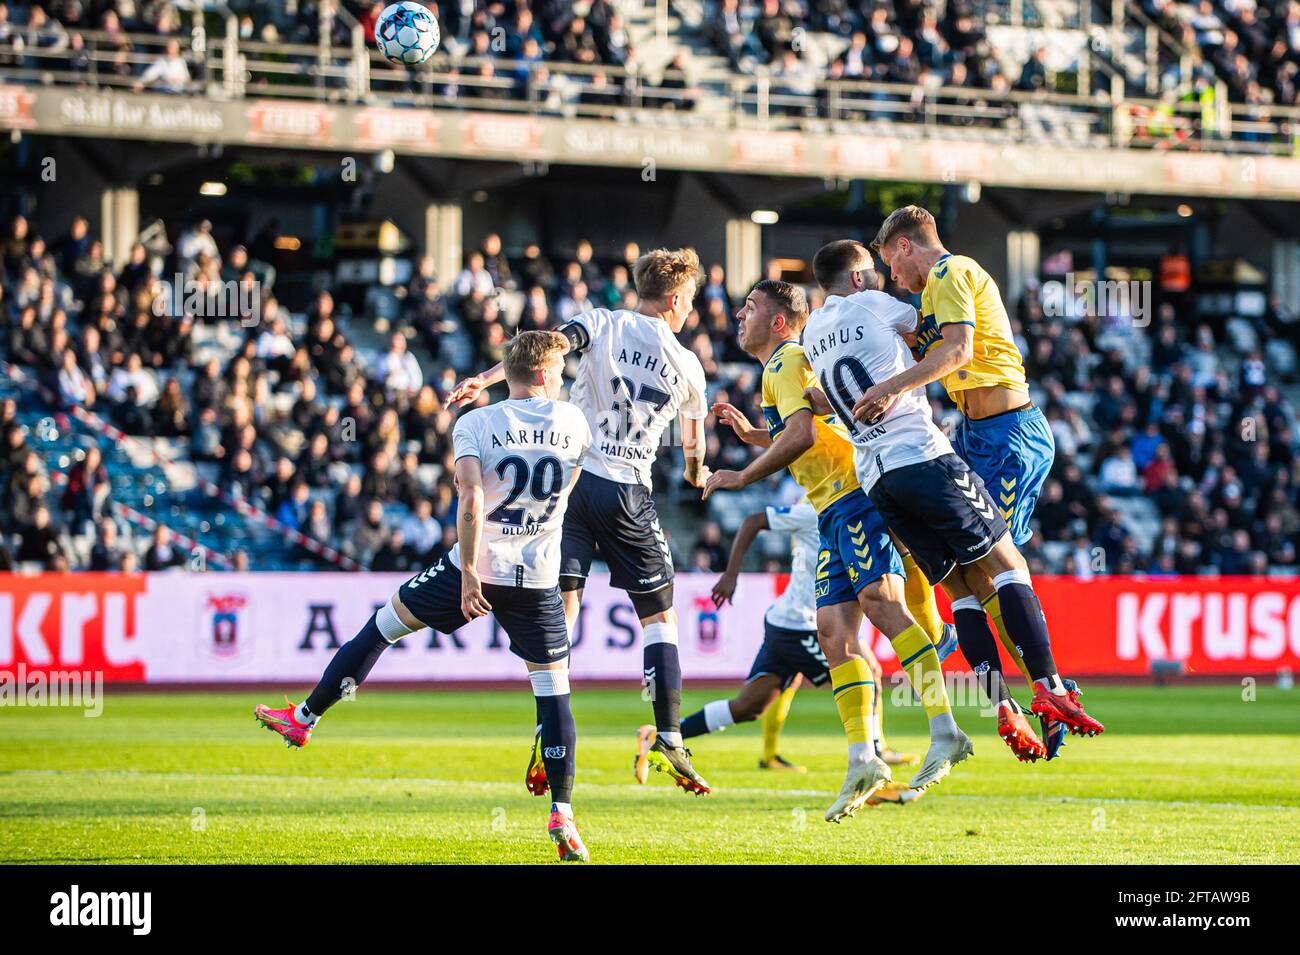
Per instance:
{"type": "Point", "coordinates": [732, 416]}
{"type": "Point", "coordinates": [468, 389]}
{"type": "Point", "coordinates": [750, 528]}
{"type": "Point", "coordinates": [799, 435]}
{"type": "Point", "coordinates": [952, 351]}
{"type": "Point", "coordinates": [469, 532]}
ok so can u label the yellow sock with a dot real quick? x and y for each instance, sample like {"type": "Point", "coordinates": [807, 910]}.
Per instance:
{"type": "Point", "coordinates": [878, 718]}
{"type": "Point", "coordinates": [994, 609]}
{"type": "Point", "coordinates": [774, 720]}
{"type": "Point", "coordinates": [920, 601]}
{"type": "Point", "coordinates": [917, 658]}
{"type": "Point", "coordinates": [854, 689]}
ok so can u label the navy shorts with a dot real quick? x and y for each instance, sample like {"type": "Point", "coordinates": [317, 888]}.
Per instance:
{"type": "Point", "coordinates": [855, 549]}
{"type": "Point", "coordinates": [619, 524]}
{"type": "Point", "coordinates": [785, 653]}
{"type": "Point", "coordinates": [941, 512]}
{"type": "Point", "coordinates": [1013, 453]}
{"type": "Point", "coordinates": [533, 619]}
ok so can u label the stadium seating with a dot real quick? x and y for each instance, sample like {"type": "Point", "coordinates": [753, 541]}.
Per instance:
{"type": "Point", "coordinates": [994, 73]}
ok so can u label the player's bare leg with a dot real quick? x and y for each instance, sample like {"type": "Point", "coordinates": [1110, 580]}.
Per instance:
{"type": "Point", "coordinates": [854, 691]}
{"type": "Point", "coordinates": [1025, 622]}
{"type": "Point", "coordinates": [883, 603]}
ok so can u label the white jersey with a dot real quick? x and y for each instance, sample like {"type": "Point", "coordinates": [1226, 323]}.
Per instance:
{"type": "Point", "coordinates": [796, 608]}
{"type": "Point", "coordinates": [528, 449]}
{"type": "Point", "coordinates": [634, 378]}
{"type": "Point", "coordinates": [853, 343]}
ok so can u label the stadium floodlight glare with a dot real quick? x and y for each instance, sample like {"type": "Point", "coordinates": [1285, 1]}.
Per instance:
{"type": "Point", "coordinates": [212, 189]}
{"type": "Point", "coordinates": [764, 217]}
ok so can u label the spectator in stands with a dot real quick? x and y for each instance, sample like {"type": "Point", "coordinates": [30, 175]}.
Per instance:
{"type": "Point", "coordinates": [107, 552]}
{"type": "Point", "coordinates": [474, 278]}
{"type": "Point", "coordinates": [365, 535]}
{"type": "Point", "coordinates": [39, 541]}
{"type": "Point", "coordinates": [74, 387]}
{"type": "Point", "coordinates": [774, 29]}
{"type": "Point", "coordinates": [295, 510]}
{"type": "Point", "coordinates": [170, 73]}
{"type": "Point", "coordinates": [421, 530]}
{"type": "Point", "coordinates": [88, 490]}
{"type": "Point", "coordinates": [709, 552]}
{"type": "Point", "coordinates": [399, 371]}
{"type": "Point", "coordinates": [395, 555]}
{"type": "Point", "coordinates": [1033, 76]}
{"type": "Point", "coordinates": [162, 553]}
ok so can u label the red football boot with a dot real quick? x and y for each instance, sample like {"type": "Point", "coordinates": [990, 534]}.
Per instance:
{"type": "Point", "coordinates": [1066, 708]}
{"type": "Point", "coordinates": [296, 735]}
{"type": "Point", "coordinates": [535, 779]}
{"type": "Point", "coordinates": [564, 833]}
{"type": "Point", "coordinates": [1016, 733]}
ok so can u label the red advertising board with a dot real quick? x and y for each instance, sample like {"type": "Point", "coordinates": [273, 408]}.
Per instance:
{"type": "Point", "coordinates": [212, 627]}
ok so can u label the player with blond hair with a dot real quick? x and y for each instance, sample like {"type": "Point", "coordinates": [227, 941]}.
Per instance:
{"type": "Point", "coordinates": [634, 380]}
{"type": "Point", "coordinates": [516, 464]}
{"type": "Point", "coordinates": [932, 500]}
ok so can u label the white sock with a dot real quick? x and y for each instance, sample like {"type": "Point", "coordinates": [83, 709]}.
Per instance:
{"type": "Point", "coordinates": [301, 714]}
{"type": "Point", "coordinates": [943, 726]}
{"type": "Point", "coordinates": [563, 808]}
{"type": "Point", "coordinates": [717, 715]}
{"type": "Point", "coordinates": [671, 739]}
{"type": "Point", "coordinates": [862, 752]}
{"type": "Point", "coordinates": [1053, 684]}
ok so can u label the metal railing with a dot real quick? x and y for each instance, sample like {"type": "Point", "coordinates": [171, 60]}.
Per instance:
{"type": "Point", "coordinates": [356, 73]}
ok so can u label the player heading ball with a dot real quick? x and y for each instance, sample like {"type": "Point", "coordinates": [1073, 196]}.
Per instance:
{"type": "Point", "coordinates": [634, 379]}
{"type": "Point", "coordinates": [516, 462]}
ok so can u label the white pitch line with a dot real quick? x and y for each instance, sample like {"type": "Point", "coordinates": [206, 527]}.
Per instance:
{"type": "Point", "coordinates": [631, 787]}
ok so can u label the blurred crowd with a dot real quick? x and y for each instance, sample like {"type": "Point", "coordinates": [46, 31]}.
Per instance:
{"type": "Point", "coordinates": [350, 444]}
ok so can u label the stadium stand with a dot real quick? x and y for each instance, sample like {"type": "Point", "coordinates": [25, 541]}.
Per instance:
{"type": "Point", "coordinates": [316, 440]}
{"type": "Point", "coordinates": [1157, 74]}
{"type": "Point", "coordinates": [273, 439]}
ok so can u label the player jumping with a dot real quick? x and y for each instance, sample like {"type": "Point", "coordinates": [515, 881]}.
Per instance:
{"type": "Point", "coordinates": [964, 339]}
{"type": "Point", "coordinates": [858, 568]}
{"type": "Point", "coordinates": [790, 652]}
{"type": "Point", "coordinates": [633, 380]}
{"type": "Point", "coordinates": [516, 463]}
{"type": "Point", "coordinates": [930, 498]}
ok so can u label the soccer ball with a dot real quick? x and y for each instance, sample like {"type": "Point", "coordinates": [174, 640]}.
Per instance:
{"type": "Point", "coordinates": [407, 33]}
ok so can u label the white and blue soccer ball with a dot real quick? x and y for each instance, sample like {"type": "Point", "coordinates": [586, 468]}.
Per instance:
{"type": "Point", "coordinates": [407, 33]}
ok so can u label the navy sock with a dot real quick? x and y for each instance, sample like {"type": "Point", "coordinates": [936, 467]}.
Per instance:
{"type": "Point", "coordinates": [559, 739]}
{"type": "Point", "coordinates": [694, 725]}
{"type": "Point", "coordinates": [980, 648]}
{"type": "Point", "coordinates": [663, 677]}
{"type": "Point", "coordinates": [1022, 615]}
{"type": "Point", "coordinates": [349, 666]}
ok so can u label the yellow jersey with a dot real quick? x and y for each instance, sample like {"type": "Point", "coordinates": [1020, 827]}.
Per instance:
{"type": "Point", "coordinates": [826, 469]}
{"type": "Point", "coordinates": [957, 290]}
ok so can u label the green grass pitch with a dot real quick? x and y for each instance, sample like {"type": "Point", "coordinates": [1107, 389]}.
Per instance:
{"type": "Point", "coordinates": [1183, 774]}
